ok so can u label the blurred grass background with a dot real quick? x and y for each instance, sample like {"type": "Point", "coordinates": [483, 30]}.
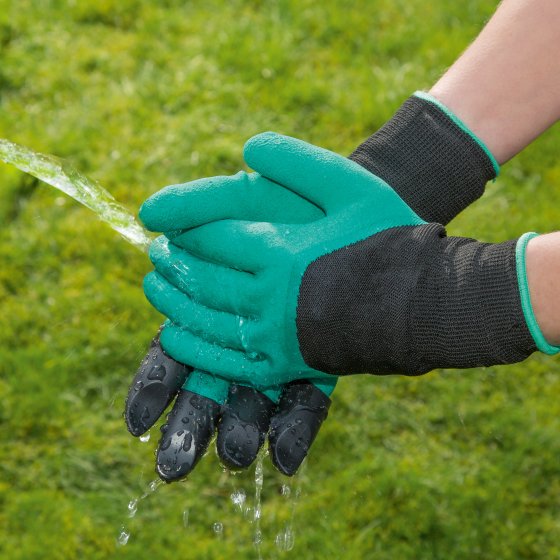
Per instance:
{"type": "Point", "coordinates": [140, 94]}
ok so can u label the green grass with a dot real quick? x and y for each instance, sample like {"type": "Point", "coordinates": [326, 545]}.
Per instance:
{"type": "Point", "coordinates": [140, 94]}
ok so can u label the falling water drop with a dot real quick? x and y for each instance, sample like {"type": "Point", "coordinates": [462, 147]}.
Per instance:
{"type": "Point", "coordinates": [259, 479]}
{"type": "Point", "coordinates": [123, 537]}
{"type": "Point", "coordinates": [145, 438]}
{"type": "Point", "coordinates": [238, 499]}
{"type": "Point", "coordinates": [285, 490]}
{"type": "Point", "coordinates": [257, 538]}
{"type": "Point", "coordinates": [186, 518]}
{"type": "Point", "coordinates": [285, 540]}
{"type": "Point", "coordinates": [132, 507]}
{"type": "Point", "coordinates": [151, 488]}
{"type": "Point", "coordinates": [218, 529]}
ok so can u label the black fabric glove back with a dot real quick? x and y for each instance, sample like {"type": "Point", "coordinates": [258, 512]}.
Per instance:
{"type": "Point", "coordinates": [409, 300]}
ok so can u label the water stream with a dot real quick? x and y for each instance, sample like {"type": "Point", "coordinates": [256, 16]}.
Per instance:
{"type": "Point", "coordinates": [62, 176]}
{"type": "Point", "coordinates": [257, 511]}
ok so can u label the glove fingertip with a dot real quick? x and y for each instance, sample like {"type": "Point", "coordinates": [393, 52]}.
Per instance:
{"type": "Point", "coordinates": [158, 249]}
{"type": "Point", "coordinates": [244, 425]}
{"type": "Point", "coordinates": [186, 435]}
{"type": "Point", "coordinates": [151, 284]}
{"type": "Point", "coordinates": [301, 411]}
{"type": "Point", "coordinates": [154, 386]}
{"type": "Point", "coordinates": [257, 146]}
{"type": "Point", "coordinates": [147, 214]}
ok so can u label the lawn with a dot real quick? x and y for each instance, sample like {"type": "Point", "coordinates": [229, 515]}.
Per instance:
{"type": "Point", "coordinates": [139, 94]}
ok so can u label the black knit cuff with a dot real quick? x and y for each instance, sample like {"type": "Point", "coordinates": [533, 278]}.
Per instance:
{"type": "Point", "coordinates": [434, 165]}
{"type": "Point", "coordinates": [468, 306]}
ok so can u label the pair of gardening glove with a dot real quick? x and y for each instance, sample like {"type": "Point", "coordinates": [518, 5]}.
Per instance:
{"type": "Point", "coordinates": [274, 283]}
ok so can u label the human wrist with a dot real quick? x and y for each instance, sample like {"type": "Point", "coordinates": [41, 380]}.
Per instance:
{"type": "Point", "coordinates": [538, 271]}
{"type": "Point", "coordinates": [435, 164]}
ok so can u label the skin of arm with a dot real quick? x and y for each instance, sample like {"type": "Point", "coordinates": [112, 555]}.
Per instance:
{"type": "Point", "coordinates": [506, 88]}
{"type": "Point", "coordinates": [506, 85]}
{"type": "Point", "coordinates": [543, 275]}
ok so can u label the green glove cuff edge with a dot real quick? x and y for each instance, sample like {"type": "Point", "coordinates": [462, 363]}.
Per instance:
{"type": "Point", "coordinates": [456, 120]}
{"type": "Point", "coordinates": [531, 320]}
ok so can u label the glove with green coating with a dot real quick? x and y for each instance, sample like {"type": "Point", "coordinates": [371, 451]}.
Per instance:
{"type": "Point", "coordinates": [368, 287]}
{"type": "Point", "coordinates": [436, 165]}
{"type": "Point", "coordinates": [205, 403]}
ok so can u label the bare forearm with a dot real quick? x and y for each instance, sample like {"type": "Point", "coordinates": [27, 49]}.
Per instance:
{"type": "Point", "coordinates": [506, 86]}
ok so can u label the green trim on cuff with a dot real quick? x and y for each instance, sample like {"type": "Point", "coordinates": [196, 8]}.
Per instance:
{"type": "Point", "coordinates": [431, 99]}
{"type": "Point", "coordinates": [520, 266]}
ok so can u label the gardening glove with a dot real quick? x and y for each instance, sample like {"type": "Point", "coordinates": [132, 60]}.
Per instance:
{"type": "Point", "coordinates": [369, 287]}
{"type": "Point", "coordinates": [242, 415]}
{"type": "Point", "coordinates": [438, 166]}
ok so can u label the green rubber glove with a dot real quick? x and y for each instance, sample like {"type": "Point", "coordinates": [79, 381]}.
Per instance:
{"type": "Point", "coordinates": [240, 415]}
{"type": "Point", "coordinates": [260, 265]}
{"type": "Point", "coordinates": [191, 288]}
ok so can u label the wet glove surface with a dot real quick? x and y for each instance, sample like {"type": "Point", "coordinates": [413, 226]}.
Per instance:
{"type": "Point", "coordinates": [241, 421]}
{"type": "Point", "coordinates": [205, 404]}
{"type": "Point", "coordinates": [265, 263]}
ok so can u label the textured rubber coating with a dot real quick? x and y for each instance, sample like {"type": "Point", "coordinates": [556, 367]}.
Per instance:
{"type": "Point", "coordinates": [302, 410]}
{"type": "Point", "coordinates": [154, 386]}
{"type": "Point", "coordinates": [244, 425]}
{"type": "Point", "coordinates": [408, 300]}
{"type": "Point", "coordinates": [186, 435]}
{"type": "Point", "coordinates": [434, 165]}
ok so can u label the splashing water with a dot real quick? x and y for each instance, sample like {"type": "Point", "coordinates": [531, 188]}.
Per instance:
{"type": "Point", "coordinates": [124, 533]}
{"type": "Point", "coordinates": [218, 529]}
{"type": "Point", "coordinates": [61, 175]}
{"type": "Point", "coordinates": [285, 539]}
{"type": "Point", "coordinates": [123, 537]}
{"type": "Point", "coordinates": [238, 498]}
{"type": "Point", "coordinates": [132, 507]}
{"type": "Point", "coordinates": [259, 478]}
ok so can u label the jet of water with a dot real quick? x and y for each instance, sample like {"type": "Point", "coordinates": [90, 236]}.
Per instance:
{"type": "Point", "coordinates": [61, 175]}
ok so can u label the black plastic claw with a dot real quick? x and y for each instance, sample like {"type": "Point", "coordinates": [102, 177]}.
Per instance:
{"type": "Point", "coordinates": [154, 386]}
{"type": "Point", "coordinates": [301, 411]}
{"type": "Point", "coordinates": [186, 435]}
{"type": "Point", "coordinates": [242, 430]}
